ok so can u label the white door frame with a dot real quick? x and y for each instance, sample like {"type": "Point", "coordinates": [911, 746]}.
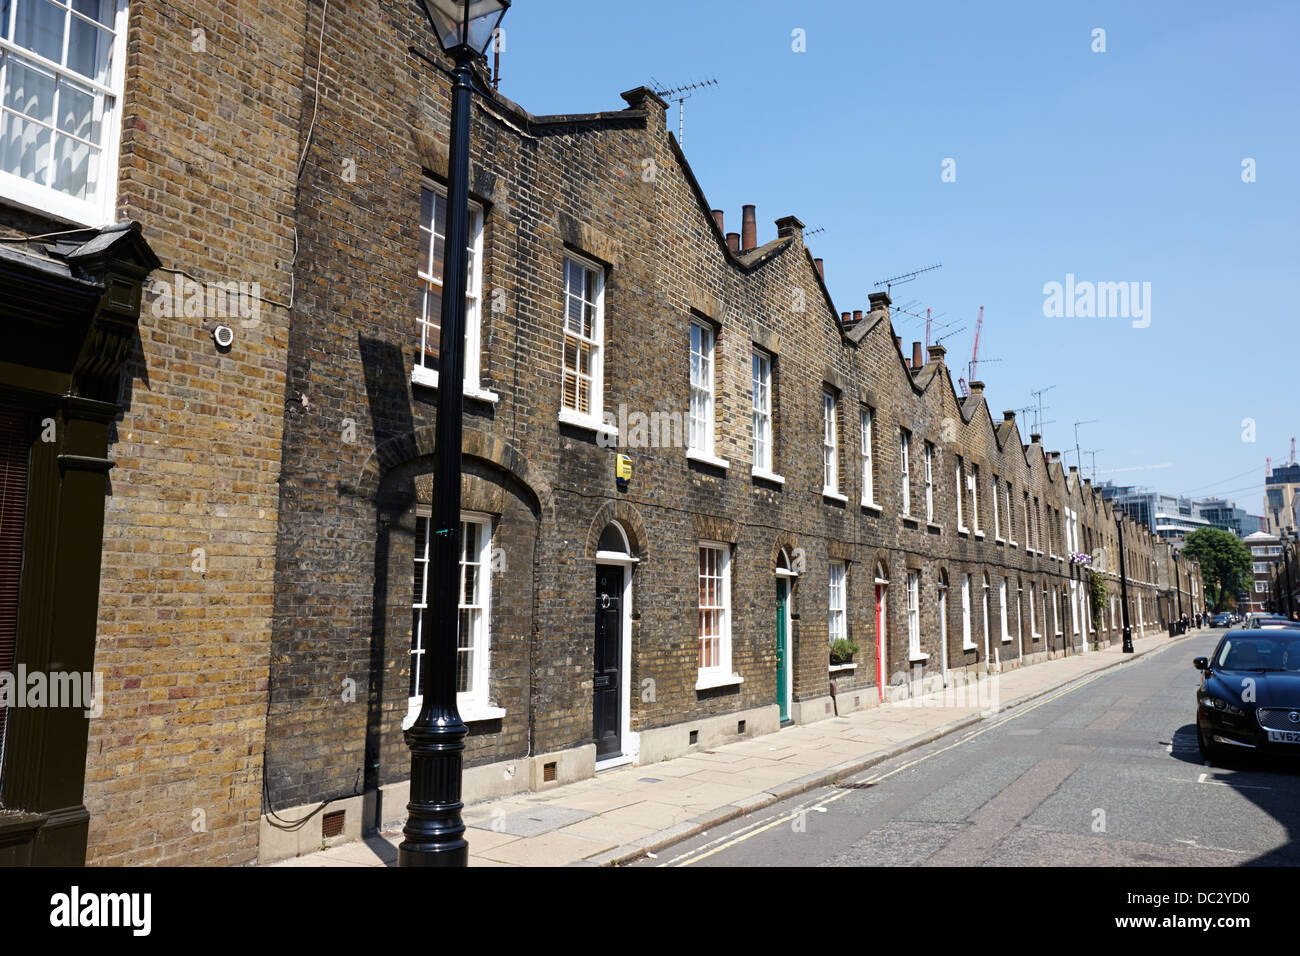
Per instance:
{"type": "Point", "coordinates": [789, 577]}
{"type": "Point", "coordinates": [631, 742]}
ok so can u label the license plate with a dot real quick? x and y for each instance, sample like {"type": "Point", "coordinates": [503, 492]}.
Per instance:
{"type": "Point", "coordinates": [1284, 736]}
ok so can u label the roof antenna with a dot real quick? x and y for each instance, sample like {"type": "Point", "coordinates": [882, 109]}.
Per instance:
{"type": "Point", "coordinates": [681, 94]}
{"type": "Point", "coordinates": [905, 277]}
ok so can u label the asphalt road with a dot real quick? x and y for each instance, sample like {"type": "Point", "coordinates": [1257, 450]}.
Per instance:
{"type": "Point", "coordinates": [1102, 772]}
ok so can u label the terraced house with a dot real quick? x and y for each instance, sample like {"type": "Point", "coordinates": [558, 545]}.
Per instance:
{"type": "Point", "coordinates": [685, 476]}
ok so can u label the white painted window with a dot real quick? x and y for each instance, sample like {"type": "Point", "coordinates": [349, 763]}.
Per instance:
{"type": "Point", "coordinates": [62, 69]}
{"type": "Point", "coordinates": [966, 642]}
{"type": "Point", "coordinates": [929, 482]}
{"type": "Point", "coordinates": [1002, 606]}
{"type": "Point", "coordinates": [985, 600]}
{"type": "Point", "coordinates": [943, 612]}
{"type": "Point", "coordinates": [701, 438]}
{"type": "Point", "coordinates": [913, 614]}
{"type": "Point", "coordinates": [1011, 513]}
{"type": "Point", "coordinates": [830, 446]}
{"type": "Point", "coordinates": [1033, 616]}
{"type": "Point", "coordinates": [975, 498]}
{"type": "Point", "coordinates": [715, 609]}
{"type": "Point", "coordinates": [868, 478]}
{"type": "Point", "coordinates": [997, 511]}
{"type": "Point", "coordinates": [1056, 610]}
{"type": "Point", "coordinates": [583, 361]}
{"type": "Point", "coordinates": [1029, 540]}
{"type": "Point", "coordinates": [904, 454]}
{"type": "Point", "coordinates": [1020, 610]}
{"type": "Point", "coordinates": [961, 493]}
{"type": "Point", "coordinates": [761, 404]}
{"type": "Point", "coordinates": [837, 622]}
{"type": "Point", "coordinates": [475, 600]}
{"type": "Point", "coordinates": [433, 227]}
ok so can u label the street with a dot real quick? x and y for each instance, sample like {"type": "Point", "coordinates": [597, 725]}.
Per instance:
{"type": "Point", "coordinates": [1103, 772]}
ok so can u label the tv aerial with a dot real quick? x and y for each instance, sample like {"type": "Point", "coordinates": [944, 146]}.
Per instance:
{"type": "Point", "coordinates": [681, 94]}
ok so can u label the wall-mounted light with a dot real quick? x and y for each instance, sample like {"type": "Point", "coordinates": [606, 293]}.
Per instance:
{"type": "Point", "coordinates": [224, 336]}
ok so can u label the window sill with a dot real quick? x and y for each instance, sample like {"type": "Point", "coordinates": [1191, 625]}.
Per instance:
{"type": "Point", "coordinates": [910, 520]}
{"type": "Point", "coordinates": [872, 506]}
{"type": "Point", "coordinates": [964, 532]}
{"type": "Point", "coordinates": [469, 713]}
{"type": "Point", "coordinates": [842, 668]}
{"type": "Point", "coordinates": [917, 658]}
{"type": "Point", "coordinates": [980, 535]}
{"type": "Point", "coordinates": [762, 474]}
{"type": "Point", "coordinates": [704, 458]}
{"type": "Point", "coordinates": [429, 379]}
{"type": "Point", "coordinates": [1013, 544]}
{"type": "Point", "coordinates": [969, 647]}
{"type": "Point", "coordinates": [936, 528]}
{"type": "Point", "coordinates": [709, 681]}
{"type": "Point", "coordinates": [588, 422]}
{"type": "Point", "coordinates": [1006, 640]}
{"type": "Point", "coordinates": [831, 495]}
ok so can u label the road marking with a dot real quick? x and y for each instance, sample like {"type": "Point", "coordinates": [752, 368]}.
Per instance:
{"type": "Point", "coordinates": [724, 843]}
{"type": "Point", "coordinates": [1235, 786]}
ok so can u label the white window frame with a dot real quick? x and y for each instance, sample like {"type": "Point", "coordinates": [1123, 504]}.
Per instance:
{"type": "Point", "coordinates": [1029, 527]}
{"type": "Point", "coordinates": [422, 374]}
{"type": "Point", "coordinates": [592, 419]}
{"type": "Point", "coordinates": [475, 703]}
{"type": "Point", "coordinates": [914, 617]}
{"type": "Point", "coordinates": [966, 643]}
{"type": "Point", "coordinates": [701, 417]}
{"type": "Point", "coordinates": [102, 209]}
{"type": "Point", "coordinates": [1033, 615]}
{"type": "Point", "coordinates": [997, 516]}
{"type": "Point", "coordinates": [960, 478]}
{"type": "Point", "coordinates": [761, 411]}
{"type": "Point", "coordinates": [975, 501]}
{"type": "Point", "coordinates": [1057, 623]}
{"type": "Point", "coordinates": [984, 588]}
{"type": "Point", "coordinates": [866, 427]}
{"type": "Point", "coordinates": [830, 444]}
{"type": "Point", "coordinates": [837, 620]}
{"type": "Point", "coordinates": [904, 455]}
{"type": "Point", "coordinates": [720, 673]}
{"type": "Point", "coordinates": [1002, 602]}
{"type": "Point", "coordinates": [1011, 514]}
{"type": "Point", "coordinates": [929, 482]}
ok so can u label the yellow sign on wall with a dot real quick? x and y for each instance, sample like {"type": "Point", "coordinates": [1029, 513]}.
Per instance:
{"type": "Point", "coordinates": [623, 469]}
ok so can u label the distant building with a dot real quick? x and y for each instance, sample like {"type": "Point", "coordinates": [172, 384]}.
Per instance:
{"type": "Point", "coordinates": [1221, 513]}
{"type": "Point", "coordinates": [1264, 548]}
{"type": "Point", "coordinates": [1280, 494]}
{"type": "Point", "coordinates": [1168, 516]}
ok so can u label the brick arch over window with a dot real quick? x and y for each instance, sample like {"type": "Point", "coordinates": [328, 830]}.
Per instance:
{"type": "Point", "coordinates": [628, 518]}
{"type": "Point", "coordinates": [420, 444]}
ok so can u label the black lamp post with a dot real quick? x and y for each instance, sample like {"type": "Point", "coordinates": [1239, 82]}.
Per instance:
{"type": "Point", "coordinates": [434, 832]}
{"type": "Point", "coordinates": [1123, 583]}
{"type": "Point", "coordinates": [1286, 565]}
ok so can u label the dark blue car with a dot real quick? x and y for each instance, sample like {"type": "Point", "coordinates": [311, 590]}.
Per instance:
{"type": "Point", "coordinates": [1249, 699]}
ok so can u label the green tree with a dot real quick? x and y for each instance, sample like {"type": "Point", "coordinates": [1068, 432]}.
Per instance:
{"type": "Point", "coordinates": [1225, 563]}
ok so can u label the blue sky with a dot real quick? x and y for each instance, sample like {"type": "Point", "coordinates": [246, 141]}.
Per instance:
{"type": "Point", "coordinates": [1115, 166]}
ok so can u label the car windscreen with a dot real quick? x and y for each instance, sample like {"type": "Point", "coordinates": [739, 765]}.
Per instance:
{"type": "Point", "coordinates": [1242, 652]}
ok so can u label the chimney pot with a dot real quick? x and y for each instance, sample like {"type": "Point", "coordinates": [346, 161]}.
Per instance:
{"type": "Point", "coordinates": [936, 352]}
{"type": "Point", "coordinates": [748, 229]}
{"type": "Point", "coordinates": [846, 319]}
{"type": "Point", "coordinates": [1008, 416]}
{"type": "Point", "coordinates": [916, 355]}
{"type": "Point", "coordinates": [733, 241]}
{"type": "Point", "coordinates": [977, 388]}
{"type": "Point", "coordinates": [898, 342]}
{"type": "Point", "coordinates": [1034, 438]}
{"type": "Point", "coordinates": [857, 316]}
{"type": "Point", "coordinates": [820, 270]}
{"type": "Point", "coordinates": [717, 217]}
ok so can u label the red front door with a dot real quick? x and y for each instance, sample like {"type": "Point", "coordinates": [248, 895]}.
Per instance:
{"type": "Point", "coordinates": [881, 639]}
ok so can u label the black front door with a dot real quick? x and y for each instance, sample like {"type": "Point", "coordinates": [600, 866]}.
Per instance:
{"type": "Point", "coordinates": [608, 689]}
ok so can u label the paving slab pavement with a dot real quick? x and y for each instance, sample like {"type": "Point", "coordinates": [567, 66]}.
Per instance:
{"type": "Point", "coordinates": [624, 813]}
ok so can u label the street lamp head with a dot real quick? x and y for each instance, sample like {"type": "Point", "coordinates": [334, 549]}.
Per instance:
{"type": "Point", "coordinates": [465, 23]}
{"type": "Point", "coordinates": [1119, 513]}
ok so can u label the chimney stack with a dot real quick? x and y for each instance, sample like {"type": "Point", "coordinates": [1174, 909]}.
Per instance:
{"type": "Point", "coordinates": [898, 343]}
{"type": "Point", "coordinates": [916, 355]}
{"type": "Point", "coordinates": [936, 353]}
{"type": "Point", "coordinates": [1035, 439]}
{"type": "Point", "coordinates": [1008, 416]}
{"type": "Point", "coordinates": [748, 229]}
{"type": "Point", "coordinates": [717, 217]}
{"type": "Point", "coordinates": [820, 270]}
{"type": "Point", "coordinates": [857, 316]}
{"type": "Point", "coordinates": [846, 320]}
{"type": "Point", "coordinates": [733, 241]}
{"type": "Point", "coordinates": [977, 388]}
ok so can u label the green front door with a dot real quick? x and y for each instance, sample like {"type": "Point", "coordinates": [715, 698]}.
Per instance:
{"type": "Point", "coordinates": [782, 651]}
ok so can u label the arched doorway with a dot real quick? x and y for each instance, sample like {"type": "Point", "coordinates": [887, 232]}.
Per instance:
{"type": "Point", "coordinates": [943, 625]}
{"type": "Point", "coordinates": [785, 578]}
{"type": "Point", "coordinates": [612, 671]}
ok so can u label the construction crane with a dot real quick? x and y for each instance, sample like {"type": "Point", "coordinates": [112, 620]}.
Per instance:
{"type": "Point", "coordinates": [974, 355]}
{"type": "Point", "coordinates": [1077, 453]}
{"type": "Point", "coordinates": [1292, 440]}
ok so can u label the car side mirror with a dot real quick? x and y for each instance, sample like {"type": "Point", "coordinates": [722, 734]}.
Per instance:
{"type": "Point", "coordinates": [1201, 663]}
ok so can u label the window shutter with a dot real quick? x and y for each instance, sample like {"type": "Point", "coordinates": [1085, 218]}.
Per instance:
{"type": "Point", "coordinates": [14, 452]}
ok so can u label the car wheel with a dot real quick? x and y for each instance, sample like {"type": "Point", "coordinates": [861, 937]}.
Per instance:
{"type": "Point", "coordinates": [1209, 751]}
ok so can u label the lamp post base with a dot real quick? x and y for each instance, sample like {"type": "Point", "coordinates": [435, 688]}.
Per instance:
{"type": "Point", "coordinates": [434, 832]}
{"type": "Point", "coordinates": [1128, 641]}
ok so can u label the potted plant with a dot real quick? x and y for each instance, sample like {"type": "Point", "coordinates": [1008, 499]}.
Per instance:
{"type": "Point", "coordinates": [842, 650]}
